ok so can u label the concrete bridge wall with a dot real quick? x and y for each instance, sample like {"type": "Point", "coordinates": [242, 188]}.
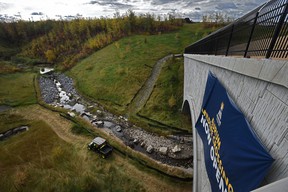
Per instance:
{"type": "Point", "coordinates": [260, 89]}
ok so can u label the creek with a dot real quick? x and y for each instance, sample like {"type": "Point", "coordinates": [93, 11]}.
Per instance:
{"type": "Point", "coordinates": [58, 90]}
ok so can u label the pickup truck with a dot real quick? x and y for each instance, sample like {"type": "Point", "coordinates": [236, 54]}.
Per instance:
{"type": "Point", "coordinates": [100, 146]}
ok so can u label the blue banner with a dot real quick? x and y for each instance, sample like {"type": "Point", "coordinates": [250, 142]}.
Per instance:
{"type": "Point", "coordinates": [235, 159]}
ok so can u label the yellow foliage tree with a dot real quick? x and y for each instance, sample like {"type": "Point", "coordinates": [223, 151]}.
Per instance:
{"type": "Point", "coordinates": [50, 55]}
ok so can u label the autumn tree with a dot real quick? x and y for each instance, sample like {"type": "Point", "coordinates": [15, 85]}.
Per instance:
{"type": "Point", "coordinates": [67, 42]}
{"type": "Point", "coordinates": [50, 56]}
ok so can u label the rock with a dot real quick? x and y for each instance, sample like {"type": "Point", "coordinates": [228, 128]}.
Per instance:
{"type": "Point", "coordinates": [71, 114]}
{"type": "Point", "coordinates": [86, 114]}
{"type": "Point", "coordinates": [178, 55]}
{"type": "Point", "coordinates": [98, 111]}
{"type": "Point", "coordinates": [118, 128]}
{"type": "Point", "coordinates": [149, 149]}
{"type": "Point", "coordinates": [135, 141]}
{"type": "Point", "coordinates": [142, 144]}
{"type": "Point", "coordinates": [163, 150]}
{"type": "Point", "coordinates": [90, 107]}
{"type": "Point", "coordinates": [176, 149]}
{"type": "Point", "coordinates": [99, 123]}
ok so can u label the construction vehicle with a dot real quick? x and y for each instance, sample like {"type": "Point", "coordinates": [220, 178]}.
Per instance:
{"type": "Point", "coordinates": [100, 146]}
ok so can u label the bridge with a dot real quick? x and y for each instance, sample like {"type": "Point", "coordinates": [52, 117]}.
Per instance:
{"type": "Point", "coordinates": [249, 57]}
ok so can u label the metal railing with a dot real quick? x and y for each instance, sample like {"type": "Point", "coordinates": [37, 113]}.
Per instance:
{"type": "Point", "coordinates": [262, 32]}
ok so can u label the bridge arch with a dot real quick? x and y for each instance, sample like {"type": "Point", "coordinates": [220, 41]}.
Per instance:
{"type": "Point", "coordinates": [186, 110]}
{"type": "Point", "coordinates": [189, 110]}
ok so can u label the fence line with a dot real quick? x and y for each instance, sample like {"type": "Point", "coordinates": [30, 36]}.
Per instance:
{"type": "Point", "coordinates": [262, 32]}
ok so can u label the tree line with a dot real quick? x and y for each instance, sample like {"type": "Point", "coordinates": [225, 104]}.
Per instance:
{"type": "Point", "coordinates": [216, 19]}
{"type": "Point", "coordinates": [66, 42]}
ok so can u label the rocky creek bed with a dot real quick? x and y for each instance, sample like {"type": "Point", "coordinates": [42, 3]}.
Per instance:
{"type": "Point", "coordinates": [176, 150]}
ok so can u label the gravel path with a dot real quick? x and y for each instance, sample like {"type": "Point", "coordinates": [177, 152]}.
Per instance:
{"type": "Point", "coordinates": [143, 95]}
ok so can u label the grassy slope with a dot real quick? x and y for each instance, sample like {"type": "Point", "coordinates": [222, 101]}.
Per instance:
{"type": "Point", "coordinates": [38, 159]}
{"type": "Point", "coordinates": [42, 160]}
{"type": "Point", "coordinates": [169, 84]}
{"type": "Point", "coordinates": [40, 153]}
{"type": "Point", "coordinates": [114, 74]}
{"type": "Point", "coordinates": [17, 89]}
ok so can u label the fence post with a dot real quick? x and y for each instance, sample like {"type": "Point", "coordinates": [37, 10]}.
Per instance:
{"type": "Point", "coordinates": [216, 45]}
{"type": "Point", "coordinates": [229, 41]}
{"type": "Point", "coordinates": [251, 34]}
{"type": "Point", "coordinates": [277, 31]}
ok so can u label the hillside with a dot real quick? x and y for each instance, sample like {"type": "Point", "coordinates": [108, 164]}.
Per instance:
{"type": "Point", "coordinates": [50, 151]}
{"type": "Point", "coordinates": [113, 75]}
{"type": "Point", "coordinates": [46, 159]}
{"type": "Point", "coordinates": [64, 43]}
{"type": "Point", "coordinates": [55, 147]}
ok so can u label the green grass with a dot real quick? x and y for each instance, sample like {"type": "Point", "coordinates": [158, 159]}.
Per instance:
{"type": "Point", "coordinates": [9, 121]}
{"type": "Point", "coordinates": [39, 160]}
{"type": "Point", "coordinates": [7, 51]}
{"type": "Point", "coordinates": [168, 87]}
{"type": "Point", "coordinates": [8, 67]}
{"type": "Point", "coordinates": [113, 75]}
{"type": "Point", "coordinates": [39, 153]}
{"type": "Point", "coordinates": [17, 89]}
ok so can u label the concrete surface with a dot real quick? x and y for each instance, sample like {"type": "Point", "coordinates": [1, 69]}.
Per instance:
{"type": "Point", "coordinates": [260, 89]}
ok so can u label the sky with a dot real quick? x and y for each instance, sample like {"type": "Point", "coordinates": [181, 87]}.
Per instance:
{"type": "Point", "coordinates": [53, 9]}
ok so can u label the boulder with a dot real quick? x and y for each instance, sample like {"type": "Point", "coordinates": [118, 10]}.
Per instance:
{"type": "Point", "coordinates": [118, 128]}
{"type": "Point", "coordinates": [149, 149]}
{"type": "Point", "coordinates": [163, 150]}
{"type": "Point", "coordinates": [71, 114]}
{"type": "Point", "coordinates": [135, 141]}
{"type": "Point", "coordinates": [142, 144]}
{"type": "Point", "coordinates": [99, 123]}
{"type": "Point", "coordinates": [176, 149]}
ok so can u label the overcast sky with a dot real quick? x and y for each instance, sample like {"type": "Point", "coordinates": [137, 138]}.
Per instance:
{"type": "Point", "coordinates": [52, 9]}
